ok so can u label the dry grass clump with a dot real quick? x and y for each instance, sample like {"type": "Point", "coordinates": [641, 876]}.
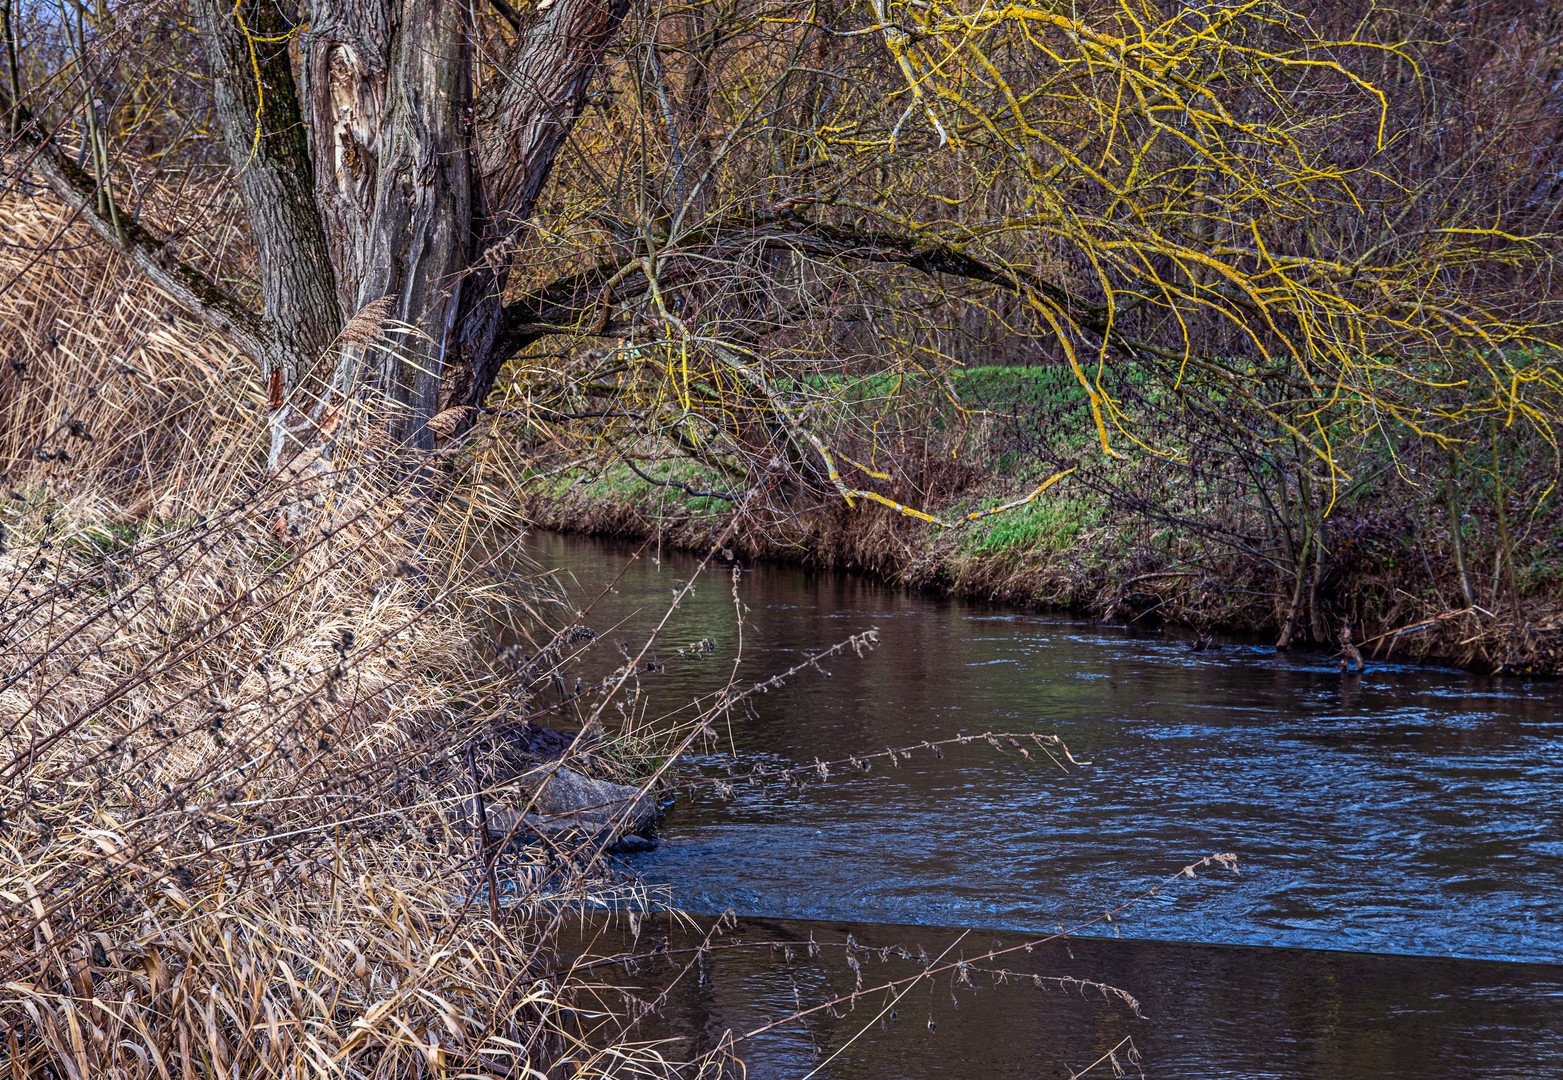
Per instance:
{"type": "Point", "coordinates": [235, 843]}
{"type": "Point", "coordinates": [233, 707]}
{"type": "Point", "coordinates": [110, 395]}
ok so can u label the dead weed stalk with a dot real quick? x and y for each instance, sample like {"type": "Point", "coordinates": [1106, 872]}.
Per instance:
{"type": "Point", "coordinates": [232, 702]}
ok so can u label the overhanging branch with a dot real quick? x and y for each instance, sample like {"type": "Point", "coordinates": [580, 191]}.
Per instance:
{"type": "Point", "coordinates": [578, 304]}
{"type": "Point", "coordinates": [184, 284]}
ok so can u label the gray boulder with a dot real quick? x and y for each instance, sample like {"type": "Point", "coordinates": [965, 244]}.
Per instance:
{"type": "Point", "coordinates": [568, 809]}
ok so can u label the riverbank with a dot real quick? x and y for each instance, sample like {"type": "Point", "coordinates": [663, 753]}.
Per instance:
{"type": "Point", "coordinates": [244, 712]}
{"type": "Point", "coordinates": [1145, 540]}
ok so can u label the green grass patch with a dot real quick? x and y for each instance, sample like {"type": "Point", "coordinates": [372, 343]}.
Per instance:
{"type": "Point", "coordinates": [1045, 525]}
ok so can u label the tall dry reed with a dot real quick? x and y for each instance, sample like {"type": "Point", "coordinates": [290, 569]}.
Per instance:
{"type": "Point", "coordinates": [244, 713]}
{"type": "Point", "coordinates": [233, 704]}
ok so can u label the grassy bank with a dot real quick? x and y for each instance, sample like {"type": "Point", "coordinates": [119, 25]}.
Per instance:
{"type": "Point", "coordinates": [1423, 553]}
{"type": "Point", "coordinates": [243, 715]}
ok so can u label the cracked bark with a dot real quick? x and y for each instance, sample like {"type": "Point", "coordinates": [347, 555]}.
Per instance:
{"type": "Point", "coordinates": [264, 136]}
{"type": "Point", "coordinates": [416, 240]}
{"type": "Point", "coordinates": [378, 179]}
{"type": "Point", "coordinates": [423, 190]}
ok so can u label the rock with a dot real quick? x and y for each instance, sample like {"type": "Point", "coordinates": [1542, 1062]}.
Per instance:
{"type": "Point", "coordinates": [560, 792]}
{"type": "Point", "coordinates": [630, 845]}
{"type": "Point", "coordinates": [568, 808]}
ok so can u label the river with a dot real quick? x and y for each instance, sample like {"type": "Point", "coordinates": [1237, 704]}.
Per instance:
{"type": "Point", "coordinates": [1397, 910]}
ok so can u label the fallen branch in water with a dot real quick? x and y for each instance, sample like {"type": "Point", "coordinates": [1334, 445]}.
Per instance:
{"type": "Point", "coordinates": [1426, 624]}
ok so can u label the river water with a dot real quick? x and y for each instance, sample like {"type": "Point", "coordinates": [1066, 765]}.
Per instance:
{"type": "Point", "coordinates": [1398, 910]}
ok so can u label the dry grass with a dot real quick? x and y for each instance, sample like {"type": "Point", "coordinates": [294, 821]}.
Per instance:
{"type": "Point", "coordinates": [233, 710]}
{"type": "Point", "coordinates": [242, 715]}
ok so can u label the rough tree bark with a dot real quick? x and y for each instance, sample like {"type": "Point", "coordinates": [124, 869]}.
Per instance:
{"type": "Point", "coordinates": [268, 148]}
{"type": "Point", "coordinates": [372, 172]}
{"type": "Point", "coordinates": [424, 189]}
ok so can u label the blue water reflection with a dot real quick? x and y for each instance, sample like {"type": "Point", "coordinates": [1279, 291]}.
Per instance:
{"type": "Point", "coordinates": [1405, 810]}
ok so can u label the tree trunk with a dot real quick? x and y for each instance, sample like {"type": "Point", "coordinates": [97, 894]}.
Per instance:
{"type": "Point", "coordinates": [1457, 533]}
{"type": "Point", "coordinates": [423, 190]}
{"type": "Point", "coordinates": [418, 234]}
{"type": "Point", "coordinates": [346, 65]}
{"type": "Point", "coordinates": [384, 179]}
{"type": "Point", "coordinates": [519, 128]}
{"type": "Point", "coordinates": [257, 106]}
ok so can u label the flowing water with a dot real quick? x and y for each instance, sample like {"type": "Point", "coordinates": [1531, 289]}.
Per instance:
{"type": "Point", "coordinates": [1397, 833]}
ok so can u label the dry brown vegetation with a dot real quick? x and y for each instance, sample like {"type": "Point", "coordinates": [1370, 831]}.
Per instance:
{"type": "Point", "coordinates": [244, 715]}
{"type": "Point", "coordinates": [1295, 269]}
{"type": "Point", "coordinates": [234, 843]}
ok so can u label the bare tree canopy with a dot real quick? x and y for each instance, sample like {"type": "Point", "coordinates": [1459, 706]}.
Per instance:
{"type": "Point", "coordinates": [1232, 311]}
{"type": "Point", "coordinates": [701, 210]}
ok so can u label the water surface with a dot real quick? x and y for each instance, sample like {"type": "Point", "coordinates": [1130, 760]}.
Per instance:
{"type": "Point", "coordinates": [1206, 1012]}
{"type": "Point", "coordinates": [1408, 811]}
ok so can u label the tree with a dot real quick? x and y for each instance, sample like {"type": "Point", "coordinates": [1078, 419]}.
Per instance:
{"type": "Point", "coordinates": [1297, 220]}
{"type": "Point", "coordinates": [367, 167]}
{"type": "Point", "coordinates": [1228, 200]}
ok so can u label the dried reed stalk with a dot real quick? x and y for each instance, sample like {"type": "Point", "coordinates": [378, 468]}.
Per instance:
{"type": "Point", "coordinates": [233, 846]}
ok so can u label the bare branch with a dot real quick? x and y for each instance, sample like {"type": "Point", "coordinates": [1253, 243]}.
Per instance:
{"type": "Point", "coordinates": [185, 285]}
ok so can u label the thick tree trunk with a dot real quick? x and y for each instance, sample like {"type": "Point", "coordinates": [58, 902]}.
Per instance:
{"type": "Point", "coordinates": [423, 191]}
{"type": "Point", "coordinates": [346, 64]}
{"type": "Point", "coordinates": [418, 235]}
{"type": "Point", "coordinates": [388, 181]}
{"type": "Point", "coordinates": [257, 106]}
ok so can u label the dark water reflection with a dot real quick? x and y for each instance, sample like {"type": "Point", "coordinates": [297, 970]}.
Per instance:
{"type": "Point", "coordinates": [1403, 811]}
{"type": "Point", "coordinates": [1206, 1011]}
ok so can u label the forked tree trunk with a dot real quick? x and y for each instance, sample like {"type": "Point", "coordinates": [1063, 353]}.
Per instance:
{"type": "Point", "coordinates": [422, 189]}
{"type": "Point", "coordinates": [381, 176]}
{"type": "Point", "coordinates": [419, 233]}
